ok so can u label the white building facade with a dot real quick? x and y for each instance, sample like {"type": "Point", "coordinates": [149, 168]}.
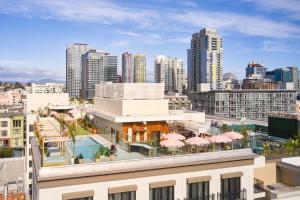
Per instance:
{"type": "Point", "coordinates": [170, 71]}
{"type": "Point", "coordinates": [45, 88]}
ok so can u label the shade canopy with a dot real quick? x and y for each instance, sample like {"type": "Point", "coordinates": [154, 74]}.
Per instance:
{"type": "Point", "coordinates": [174, 136]}
{"type": "Point", "coordinates": [197, 141]}
{"type": "Point", "coordinates": [171, 143]}
{"type": "Point", "coordinates": [233, 135]}
{"type": "Point", "coordinates": [219, 139]}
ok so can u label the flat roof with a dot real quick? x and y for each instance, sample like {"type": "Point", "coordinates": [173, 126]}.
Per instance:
{"type": "Point", "coordinates": [134, 165]}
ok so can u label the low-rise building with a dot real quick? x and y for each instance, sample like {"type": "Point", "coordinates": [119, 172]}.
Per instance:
{"type": "Point", "coordinates": [238, 104]}
{"type": "Point", "coordinates": [178, 102]}
{"type": "Point", "coordinates": [45, 88]}
{"type": "Point", "coordinates": [11, 126]}
{"type": "Point", "coordinates": [12, 97]}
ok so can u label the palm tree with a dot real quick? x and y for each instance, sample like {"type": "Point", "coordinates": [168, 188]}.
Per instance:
{"type": "Point", "coordinates": [62, 123]}
{"type": "Point", "coordinates": [80, 103]}
{"type": "Point", "coordinates": [72, 132]}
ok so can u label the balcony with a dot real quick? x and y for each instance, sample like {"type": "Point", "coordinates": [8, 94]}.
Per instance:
{"type": "Point", "coordinates": [206, 197]}
{"type": "Point", "coordinates": [239, 195]}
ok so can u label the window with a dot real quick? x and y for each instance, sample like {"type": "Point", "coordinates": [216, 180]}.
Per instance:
{"type": "Point", "coordinates": [16, 123]}
{"type": "Point", "coordinates": [122, 196]}
{"type": "Point", "coordinates": [30, 163]}
{"type": "Point", "coordinates": [4, 133]}
{"type": "Point", "coordinates": [4, 123]}
{"type": "Point", "coordinates": [162, 193]}
{"type": "Point", "coordinates": [31, 128]}
{"type": "Point", "coordinates": [231, 188]}
{"type": "Point", "coordinates": [199, 191]}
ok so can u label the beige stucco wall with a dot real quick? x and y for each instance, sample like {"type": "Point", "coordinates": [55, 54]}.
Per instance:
{"type": "Point", "coordinates": [101, 188]}
{"type": "Point", "coordinates": [36, 101]}
{"type": "Point", "coordinates": [130, 90]}
{"type": "Point", "coordinates": [267, 174]}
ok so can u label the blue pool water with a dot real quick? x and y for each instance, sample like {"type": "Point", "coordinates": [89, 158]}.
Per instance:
{"type": "Point", "coordinates": [86, 146]}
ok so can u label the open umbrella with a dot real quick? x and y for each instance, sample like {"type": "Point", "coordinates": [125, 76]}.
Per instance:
{"type": "Point", "coordinates": [197, 141]}
{"type": "Point", "coordinates": [171, 143]}
{"type": "Point", "coordinates": [233, 135]}
{"type": "Point", "coordinates": [219, 139]}
{"type": "Point", "coordinates": [174, 136]}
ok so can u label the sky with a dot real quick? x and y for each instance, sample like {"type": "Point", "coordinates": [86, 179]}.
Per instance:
{"type": "Point", "coordinates": [34, 34]}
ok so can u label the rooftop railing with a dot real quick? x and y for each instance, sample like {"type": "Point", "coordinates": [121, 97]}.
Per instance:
{"type": "Point", "coordinates": [258, 186]}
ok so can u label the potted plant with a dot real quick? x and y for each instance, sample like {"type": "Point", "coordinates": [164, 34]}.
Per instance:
{"type": "Point", "coordinates": [80, 158]}
{"type": "Point", "coordinates": [105, 152]}
{"type": "Point", "coordinates": [75, 160]}
{"type": "Point", "coordinates": [97, 156]}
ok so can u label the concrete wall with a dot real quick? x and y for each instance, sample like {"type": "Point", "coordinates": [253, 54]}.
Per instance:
{"type": "Point", "coordinates": [289, 175]}
{"type": "Point", "coordinates": [132, 107]}
{"type": "Point", "coordinates": [267, 174]}
{"type": "Point", "coordinates": [130, 90]}
{"type": "Point", "coordinates": [142, 193]}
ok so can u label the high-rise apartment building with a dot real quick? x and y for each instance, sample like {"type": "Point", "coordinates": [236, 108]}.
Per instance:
{"type": "Point", "coordinates": [139, 68]}
{"type": "Point", "coordinates": [205, 59]}
{"type": "Point", "coordinates": [74, 54]}
{"type": "Point", "coordinates": [169, 71]}
{"type": "Point", "coordinates": [97, 67]}
{"type": "Point", "coordinates": [127, 68]}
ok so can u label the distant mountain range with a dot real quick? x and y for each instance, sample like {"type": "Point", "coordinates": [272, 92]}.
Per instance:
{"type": "Point", "coordinates": [46, 80]}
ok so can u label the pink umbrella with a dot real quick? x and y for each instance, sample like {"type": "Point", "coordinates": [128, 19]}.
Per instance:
{"type": "Point", "coordinates": [197, 141]}
{"type": "Point", "coordinates": [219, 139]}
{"type": "Point", "coordinates": [233, 135]}
{"type": "Point", "coordinates": [171, 143]}
{"type": "Point", "coordinates": [174, 136]}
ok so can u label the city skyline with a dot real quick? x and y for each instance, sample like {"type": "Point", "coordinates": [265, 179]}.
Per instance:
{"type": "Point", "coordinates": [35, 34]}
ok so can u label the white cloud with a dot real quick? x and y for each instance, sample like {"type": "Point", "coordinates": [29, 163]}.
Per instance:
{"type": "Point", "coordinates": [249, 25]}
{"type": "Point", "coordinates": [165, 20]}
{"type": "Point", "coordinates": [292, 7]}
{"type": "Point", "coordinates": [75, 10]}
{"type": "Point", "coordinates": [129, 33]}
{"type": "Point", "coordinates": [278, 46]}
{"type": "Point", "coordinates": [24, 74]}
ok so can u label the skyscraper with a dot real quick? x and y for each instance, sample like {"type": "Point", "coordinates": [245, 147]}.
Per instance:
{"type": "Point", "coordinates": [127, 68]}
{"type": "Point", "coordinates": [74, 53]}
{"type": "Point", "coordinates": [97, 67]}
{"type": "Point", "coordinates": [139, 68]}
{"type": "Point", "coordinates": [205, 59]}
{"type": "Point", "coordinates": [169, 71]}
{"type": "Point", "coordinates": [255, 70]}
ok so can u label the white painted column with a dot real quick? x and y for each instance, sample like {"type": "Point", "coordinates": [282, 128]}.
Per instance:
{"type": "Point", "coordinates": [215, 184]}
{"type": "Point", "coordinates": [142, 190]}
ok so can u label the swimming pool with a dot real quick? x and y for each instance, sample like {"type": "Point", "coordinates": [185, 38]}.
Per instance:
{"type": "Point", "coordinates": [84, 145]}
